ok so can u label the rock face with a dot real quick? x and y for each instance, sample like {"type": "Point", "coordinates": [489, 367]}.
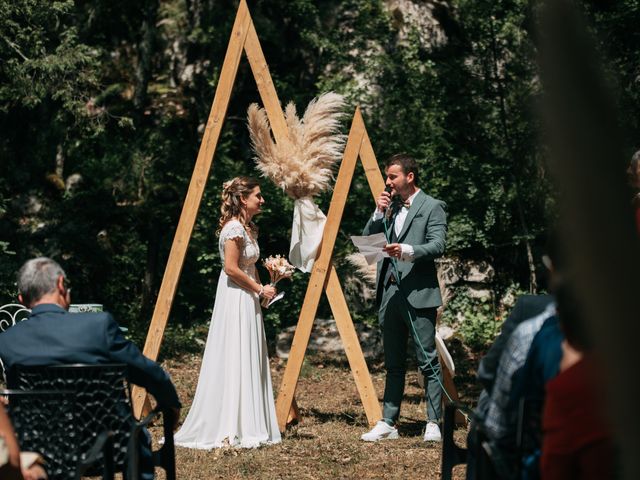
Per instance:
{"type": "Point", "coordinates": [417, 19]}
{"type": "Point", "coordinates": [326, 339]}
{"type": "Point", "coordinates": [454, 271]}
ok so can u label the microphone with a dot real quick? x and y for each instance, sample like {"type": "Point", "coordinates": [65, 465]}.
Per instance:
{"type": "Point", "coordinates": [388, 210]}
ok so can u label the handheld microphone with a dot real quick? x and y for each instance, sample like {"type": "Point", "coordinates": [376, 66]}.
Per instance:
{"type": "Point", "coordinates": [388, 210]}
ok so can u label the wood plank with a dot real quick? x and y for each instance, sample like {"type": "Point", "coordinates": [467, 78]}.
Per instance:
{"type": "Point", "coordinates": [447, 381]}
{"type": "Point", "coordinates": [266, 88]}
{"type": "Point", "coordinates": [319, 275]}
{"type": "Point", "coordinates": [352, 348]}
{"type": "Point", "coordinates": [194, 194]}
{"type": "Point", "coordinates": [370, 164]}
{"type": "Point", "coordinates": [272, 106]}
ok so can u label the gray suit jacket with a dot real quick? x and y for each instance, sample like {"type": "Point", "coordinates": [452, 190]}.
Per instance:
{"type": "Point", "coordinates": [425, 229]}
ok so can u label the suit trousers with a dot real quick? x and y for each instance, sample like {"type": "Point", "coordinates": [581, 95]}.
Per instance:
{"type": "Point", "coordinates": [394, 317]}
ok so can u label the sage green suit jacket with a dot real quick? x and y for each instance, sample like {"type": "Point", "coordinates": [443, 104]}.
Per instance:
{"type": "Point", "coordinates": [425, 229]}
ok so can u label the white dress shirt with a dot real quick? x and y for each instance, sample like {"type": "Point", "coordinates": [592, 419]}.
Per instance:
{"type": "Point", "coordinates": [401, 216]}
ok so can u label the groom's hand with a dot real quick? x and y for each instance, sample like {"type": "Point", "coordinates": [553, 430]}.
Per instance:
{"type": "Point", "coordinates": [393, 249]}
{"type": "Point", "coordinates": [383, 201]}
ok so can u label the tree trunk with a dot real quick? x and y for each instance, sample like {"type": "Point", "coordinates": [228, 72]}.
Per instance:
{"type": "Point", "coordinates": [533, 282]}
{"type": "Point", "coordinates": [145, 54]}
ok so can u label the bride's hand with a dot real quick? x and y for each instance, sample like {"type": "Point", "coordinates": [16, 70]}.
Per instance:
{"type": "Point", "coordinates": [269, 291]}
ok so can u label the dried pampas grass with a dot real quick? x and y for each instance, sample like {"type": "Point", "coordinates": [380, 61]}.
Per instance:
{"type": "Point", "coordinates": [365, 271]}
{"type": "Point", "coordinates": [303, 164]}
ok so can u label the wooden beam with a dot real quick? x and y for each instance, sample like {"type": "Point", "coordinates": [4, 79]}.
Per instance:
{"type": "Point", "coordinates": [265, 85]}
{"type": "Point", "coordinates": [319, 272]}
{"type": "Point", "coordinates": [194, 194]}
{"type": "Point", "coordinates": [370, 164]}
{"type": "Point", "coordinates": [272, 106]}
{"type": "Point", "coordinates": [352, 348]}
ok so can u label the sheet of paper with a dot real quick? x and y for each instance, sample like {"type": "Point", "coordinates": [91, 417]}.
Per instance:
{"type": "Point", "coordinates": [275, 299]}
{"type": "Point", "coordinates": [371, 246]}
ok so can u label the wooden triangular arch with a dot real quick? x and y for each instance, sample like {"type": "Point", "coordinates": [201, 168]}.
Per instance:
{"type": "Point", "coordinates": [243, 37]}
{"type": "Point", "coordinates": [323, 275]}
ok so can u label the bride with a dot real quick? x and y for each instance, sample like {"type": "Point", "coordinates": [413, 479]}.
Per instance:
{"type": "Point", "coordinates": [234, 403]}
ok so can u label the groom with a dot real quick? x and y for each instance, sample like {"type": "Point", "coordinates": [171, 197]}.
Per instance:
{"type": "Point", "coordinates": [407, 294]}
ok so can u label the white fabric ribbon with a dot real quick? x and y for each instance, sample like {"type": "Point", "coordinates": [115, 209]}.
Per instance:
{"type": "Point", "coordinates": [306, 233]}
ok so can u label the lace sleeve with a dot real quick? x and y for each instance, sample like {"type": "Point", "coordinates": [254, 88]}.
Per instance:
{"type": "Point", "coordinates": [232, 230]}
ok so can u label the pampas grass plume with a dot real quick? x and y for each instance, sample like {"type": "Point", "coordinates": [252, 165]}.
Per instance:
{"type": "Point", "coordinates": [302, 165]}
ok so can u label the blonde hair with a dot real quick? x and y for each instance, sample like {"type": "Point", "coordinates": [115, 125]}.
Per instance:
{"type": "Point", "coordinates": [231, 207]}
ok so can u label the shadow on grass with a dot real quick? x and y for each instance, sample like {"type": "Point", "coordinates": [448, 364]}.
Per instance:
{"type": "Point", "coordinates": [411, 427]}
{"type": "Point", "coordinates": [349, 418]}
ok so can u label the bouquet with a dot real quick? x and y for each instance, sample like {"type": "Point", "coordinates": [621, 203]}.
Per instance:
{"type": "Point", "coordinates": [278, 268]}
{"type": "Point", "coordinates": [302, 165]}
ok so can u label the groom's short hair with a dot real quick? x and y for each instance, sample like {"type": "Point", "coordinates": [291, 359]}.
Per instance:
{"type": "Point", "coordinates": [406, 162]}
{"type": "Point", "coordinates": [37, 277]}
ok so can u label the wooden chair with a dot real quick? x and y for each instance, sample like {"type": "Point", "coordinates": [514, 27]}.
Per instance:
{"type": "Point", "coordinates": [79, 418]}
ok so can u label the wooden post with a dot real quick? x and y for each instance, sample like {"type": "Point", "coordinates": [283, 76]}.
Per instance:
{"type": "Point", "coordinates": [194, 194]}
{"type": "Point", "coordinates": [324, 276]}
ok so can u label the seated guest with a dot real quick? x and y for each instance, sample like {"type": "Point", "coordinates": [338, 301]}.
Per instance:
{"type": "Point", "coordinates": [500, 423]}
{"type": "Point", "coordinates": [9, 450]}
{"type": "Point", "coordinates": [504, 359]}
{"type": "Point", "coordinates": [10, 465]}
{"type": "Point", "coordinates": [530, 359]}
{"type": "Point", "coordinates": [51, 335]}
{"type": "Point", "coordinates": [528, 386]}
{"type": "Point", "coordinates": [577, 442]}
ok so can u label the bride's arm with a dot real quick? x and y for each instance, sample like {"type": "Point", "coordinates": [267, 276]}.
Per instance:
{"type": "Point", "coordinates": [232, 251]}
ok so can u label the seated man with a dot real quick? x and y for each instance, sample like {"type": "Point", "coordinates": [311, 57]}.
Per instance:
{"type": "Point", "coordinates": [51, 335]}
{"type": "Point", "coordinates": [11, 459]}
{"type": "Point", "coordinates": [508, 375]}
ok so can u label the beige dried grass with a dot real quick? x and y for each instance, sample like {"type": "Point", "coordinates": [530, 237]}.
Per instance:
{"type": "Point", "coordinates": [363, 270]}
{"type": "Point", "coordinates": [302, 165]}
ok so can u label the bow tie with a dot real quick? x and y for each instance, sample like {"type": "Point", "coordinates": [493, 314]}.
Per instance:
{"type": "Point", "coordinates": [399, 204]}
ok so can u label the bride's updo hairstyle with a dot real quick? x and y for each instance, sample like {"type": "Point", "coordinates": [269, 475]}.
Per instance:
{"type": "Point", "coordinates": [232, 193]}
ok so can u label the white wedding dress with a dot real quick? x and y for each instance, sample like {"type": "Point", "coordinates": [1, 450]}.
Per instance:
{"type": "Point", "coordinates": [233, 404]}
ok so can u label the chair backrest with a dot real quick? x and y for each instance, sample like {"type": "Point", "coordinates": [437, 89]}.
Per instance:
{"type": "Point", "coordinates": [93, 399]}
{"type": "Point", "coordinates": [12, 313]}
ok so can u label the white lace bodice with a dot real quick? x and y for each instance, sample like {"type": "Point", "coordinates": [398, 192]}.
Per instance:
{"type": "Point", "coordinates": [250, 250]}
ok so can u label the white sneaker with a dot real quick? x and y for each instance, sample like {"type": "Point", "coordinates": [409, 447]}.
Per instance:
{"type": "Point", "coordinates": [432, 433]}
{"type": "Point", "coordinates": [382, 431]}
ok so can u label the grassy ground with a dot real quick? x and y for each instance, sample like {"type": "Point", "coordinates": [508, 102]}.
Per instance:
{"type": "Point", "coordinates": [326, 443]}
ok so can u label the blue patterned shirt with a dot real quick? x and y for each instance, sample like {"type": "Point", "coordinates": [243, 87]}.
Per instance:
{"type": "Point", "coordinates": [512, 359]}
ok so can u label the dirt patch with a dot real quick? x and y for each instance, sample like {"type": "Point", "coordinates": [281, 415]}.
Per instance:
{"type": "Point", "coordinates": [326, 443]}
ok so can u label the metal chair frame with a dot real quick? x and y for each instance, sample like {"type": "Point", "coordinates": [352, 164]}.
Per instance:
{"type": "Point", "coordinates": [84, 429]}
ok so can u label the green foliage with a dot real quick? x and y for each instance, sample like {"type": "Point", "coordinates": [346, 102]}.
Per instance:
{"type": "Point", "coordinates": [116, 95]}
{"type": "Point", "coordinates": [479, 320]}
{"type": "Point", "coordinates": [476, 319]}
